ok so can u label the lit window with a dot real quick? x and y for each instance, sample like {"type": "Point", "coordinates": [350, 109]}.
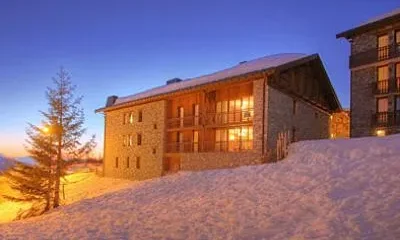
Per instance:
{"type": "Point", "coordinates": [195, 141]}
{"type": "Point", "coordinates": [124, 143]}
{"type": "Point", "coordinates": [130, 141]}
{"type": "Point", "coordinates": [383, 47]}
{"type": "Point", "coordinates": [380, 133]}
{"type": "Point", "coordinates": [131, 117]}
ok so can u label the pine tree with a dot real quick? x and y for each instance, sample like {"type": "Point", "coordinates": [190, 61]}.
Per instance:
{"type": "Point", "coordinates": [34, 183]}
{"type": "Point", "coordinates": [51, 147]}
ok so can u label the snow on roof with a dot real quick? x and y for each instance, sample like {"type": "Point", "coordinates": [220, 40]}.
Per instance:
{"type": "Point", "coordinates": [258, 64]}
{"type": "Point", "coordinates": [381, 17]}
{"type": "Point", "coordinates": [369, 23]}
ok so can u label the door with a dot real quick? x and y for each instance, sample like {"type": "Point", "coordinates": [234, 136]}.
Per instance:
{"type": "Point", "coordinates": [383, 47]}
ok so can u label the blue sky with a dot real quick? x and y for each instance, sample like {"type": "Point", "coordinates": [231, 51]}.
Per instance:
{"type": "Point", "coordinates": [122, 47]}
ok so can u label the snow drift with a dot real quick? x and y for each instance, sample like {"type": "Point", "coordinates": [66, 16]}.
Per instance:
{"type": "Point", "coordinates": [329, 189]}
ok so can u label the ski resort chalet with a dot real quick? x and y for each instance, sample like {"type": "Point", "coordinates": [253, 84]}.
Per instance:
{"type": "Point", "coordinates": [234, 117]}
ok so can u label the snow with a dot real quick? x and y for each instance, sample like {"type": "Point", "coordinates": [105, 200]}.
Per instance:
{"type": "Point", "coordinates": [263, 63]}
{"type": "Point", "coordinates": [328, 189]}
{"type": "Point", "coordinates": [77, 186]}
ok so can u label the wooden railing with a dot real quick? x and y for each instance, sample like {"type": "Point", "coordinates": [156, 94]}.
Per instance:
{"type": "Point", "coordinates": [387, 86]}
{"type": "Point", "coordinates": [374, 55]}
{"type": "Point", "coordinates": [386, 119]}
{"type": "Point", "coordinates": [224, 118]}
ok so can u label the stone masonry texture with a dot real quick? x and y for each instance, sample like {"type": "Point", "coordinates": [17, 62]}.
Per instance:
{"type": "Point", "coordinates": [151, 162]}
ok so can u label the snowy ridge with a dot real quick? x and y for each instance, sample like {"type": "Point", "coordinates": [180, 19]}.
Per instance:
{"type": "Point", "coordinates": [328, 189]}
{"type": "Point", "coordinates": [266, 62]}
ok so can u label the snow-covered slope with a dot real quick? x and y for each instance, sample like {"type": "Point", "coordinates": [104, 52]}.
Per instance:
{"type": "Point", "coordinates": [329, 189]}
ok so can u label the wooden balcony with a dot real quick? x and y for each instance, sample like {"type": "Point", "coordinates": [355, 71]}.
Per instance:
{"type": "Point", "coordinates": [386, 119]}
{"type": "Point", "coordinates": [212, 119]}
{"type": "Point", "coordinates": [386, 86]}
{"type": "Point", "coordinates": [183, 122]}
{"type": "Point", "coordinates": [374, 55]}
{"type": "Point", "coordinates": [210, 146]}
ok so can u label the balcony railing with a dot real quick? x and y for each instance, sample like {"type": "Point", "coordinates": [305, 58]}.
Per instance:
{"type": "Point", "coordinates": [182, 147]}
{"type": "Point", "coordinates": [242, 116]}
{"type": "Point", "coordinates": [210, 146]}
{"type": "Point", "coordinates": [387, 86]}
{"type": "Point", "coordinates": [386, 119]}
{"type": "Point", "coordinates": [374, 55]}
{"type": "Point", "coordinates": [224, 118]}
{"type": "Point", "coordinates": [187, 121]}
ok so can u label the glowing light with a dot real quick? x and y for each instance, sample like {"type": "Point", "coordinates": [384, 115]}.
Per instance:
{"type": "Point", "coordinates": [380, 133]}
{"type": "Point", "coordinates": [46, 129]}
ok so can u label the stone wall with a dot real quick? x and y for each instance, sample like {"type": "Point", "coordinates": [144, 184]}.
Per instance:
{"type": "Point", "coordinates": [362, 102]}
{"type": "Point", "coordinates": [308, 122]}
{"type": "Point", "coordinates": [215, 160]}
{"type": "Point", "coordinates": [363, 42]}
{"type": "Point", "coordinates": [151, 150]}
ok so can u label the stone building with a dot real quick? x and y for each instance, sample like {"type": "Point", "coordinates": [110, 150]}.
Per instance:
{"type": "Point", "coordinates": [375, 76]}
{"type": "Point", "coordinates": [224, 119]}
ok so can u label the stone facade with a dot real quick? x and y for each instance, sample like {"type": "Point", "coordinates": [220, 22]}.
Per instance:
{"type": "Point", "coordinates": [362, 102]}
{"type": "Point", "coordinates": [204, 161]}
{"type": "Point", "coordinates": [145, 160]}
{"type": "Point", "coordinates": [363, 82]}
{"type": "Point", "coordinates": [305, 122]}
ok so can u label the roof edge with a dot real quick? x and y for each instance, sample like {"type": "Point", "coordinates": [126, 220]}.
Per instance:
{"type": "Point", "coordinates": [368, 26]}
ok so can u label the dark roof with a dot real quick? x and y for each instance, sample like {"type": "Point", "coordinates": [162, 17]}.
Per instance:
{"type": "Point", "coordinates": [377, 22]}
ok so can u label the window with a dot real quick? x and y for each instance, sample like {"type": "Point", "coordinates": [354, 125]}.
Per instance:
{"type": "Point", "coordinates": [383, 47]}
{"type": "Point", "coordinates": [138, 162]}
{"type": "Point", "coordinates": [124, 120]}
{"type": "Point", "coordinates": [383, 79]}
{"type": "Point", "coordinates": [234, 139]}
{"type": "Point", "coordinates": [131, 118]}
{"type": "Point", "coordinates": [130, 140]}
{"type": "Point", "coordinates": [179, 141]}
{"type": "Point", "coordinates": [316, 115]}
{"type": "Point", "coordinates": [116, 162]}
{"type": "Point", "coordinates": [196, 113]}
{"type": "Point", "coordinates": [154, 151]}
{"type": "Point", "coordinates": [181, 114]}
{"type": "Point", "coordinates": [139, 139]}
{"type": "Point", "coordinates": [127, 162]}
{"type": "Point", "coordinates": [140, 116]}
{"type": "Point", "coordinates": [235, 110]}
{"type": "Point", "coordinates": [398, 37]}
{"type": "Point", "coordinates": [195, 141]}
{"type": "Point", "coordinates": [382, 105]}
{"type": "Point", "coordinates": [294, 106]}
{"type": "Point", "coordinates": [382, 109]}
{"type": "Point", "coordinates": [154, 126]}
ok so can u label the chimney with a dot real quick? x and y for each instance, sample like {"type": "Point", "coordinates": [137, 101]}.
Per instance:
{"type": "Point", "coordinates": [240, 63]}
{"type": "Point", "coordinates": [174, 80]}
{"type": "Point", "coordinates": [111, 100]}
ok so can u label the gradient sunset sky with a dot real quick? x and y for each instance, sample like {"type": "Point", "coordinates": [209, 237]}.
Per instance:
{"type": "Point", "coordinates": [122, 47]}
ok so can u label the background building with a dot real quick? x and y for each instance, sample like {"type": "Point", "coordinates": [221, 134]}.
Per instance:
{"type": "Point", "coordinates": [375, 76]}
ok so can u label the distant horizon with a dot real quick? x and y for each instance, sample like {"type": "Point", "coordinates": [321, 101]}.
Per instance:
{"type": "Point", "coordinates": [126, 47]}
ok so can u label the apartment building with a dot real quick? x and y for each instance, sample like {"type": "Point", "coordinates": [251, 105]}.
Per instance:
{"type": "Point", "coordinates": [225, 119]}
{"type": "Point", "coordinates": [375, 76]}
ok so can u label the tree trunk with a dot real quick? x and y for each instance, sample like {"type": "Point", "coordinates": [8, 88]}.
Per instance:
{"type": "Point", "coordinates": [58, 171]}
